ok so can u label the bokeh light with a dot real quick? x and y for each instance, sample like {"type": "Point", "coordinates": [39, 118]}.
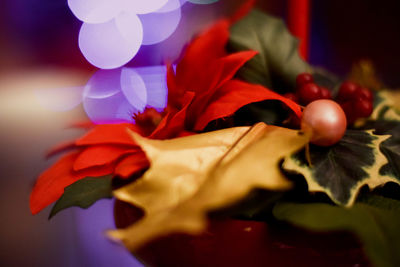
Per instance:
{"type": "Point", "coordinates": [103, 84]}
{"type": "Point", "coordinates": [159, 26]}
{"type": "Point", "coordinates": [113, 109]}
{"type": "Point", "coordinates": [142, 6]}
{"type": "Point", "coordinates": [111, 44]}
{"type": "Point", "coordinates": [94, 11]}
{"type": "Point", "coordinates": [155, 79]}
{"type": "Point", "coordinates": [171, 5]}
{"type": "Point", "coordinates": [133, 87]}
{"type": "Point", "coordinates": [112, 96]}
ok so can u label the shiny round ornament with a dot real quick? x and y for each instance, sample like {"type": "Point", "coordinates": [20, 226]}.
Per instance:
{"type": "Point", "coordinates": [326, 120]}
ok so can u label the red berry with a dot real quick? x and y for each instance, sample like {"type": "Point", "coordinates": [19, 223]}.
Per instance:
{"type": "Point", "coordinates": [348, 108]}
{"type": "Point", "coordinates": [304, 78]}
{"type": "Point", "coordinates": [365, 93]}
{"type": "Point", "coordinates": [348, 91]}
{"type": "Point", "coordinates": [363, 108]}
{"type": "Point", "coordinates": [326, 93]}
{"type": "Point", "coordinates": [292, 97]}
{"type": "Point", "coordinates": [309, 93]}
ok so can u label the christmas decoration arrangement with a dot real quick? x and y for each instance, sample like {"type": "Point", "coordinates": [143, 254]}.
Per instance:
{"type": "Point", "coordinates": [252, 137]}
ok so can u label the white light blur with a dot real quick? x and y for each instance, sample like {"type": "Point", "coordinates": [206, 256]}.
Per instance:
{"type": "Point", "coordinates": [171, 5]}
{"type": "Point", "coordinates": [134, 88]}
{"type": "Point", "coordinates": [104, 83]}
{"type": "Point", "coordinates": [142, 6]}
{"type": "Point", "coordinates": [115, 95]}
{"type": "Point", "coordinates": [157, 27]}
{"type": "Point", "coordinates": [111, 44]}
{"type": "Point", "coordinates": [94, 11]}
{"type": "Point", "coordinates": [155, 79]}
{"type": "Point", "coordinates": [113, 109]}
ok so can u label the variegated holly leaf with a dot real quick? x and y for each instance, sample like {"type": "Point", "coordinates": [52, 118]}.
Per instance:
{"type": "Point", "coordinates": [389, 147]}
{"type": "Point", "coordinates": [386, 106]}
{"type": "Point", "coordinates": [230, 180]}
{"type": "Point", "coordinates": [278, 62]}
{"type": "Point", "coordinates": [342, 169]}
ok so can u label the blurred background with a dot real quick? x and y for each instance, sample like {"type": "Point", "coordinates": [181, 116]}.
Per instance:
{"type": "Point", "coordinates": [39, 51]}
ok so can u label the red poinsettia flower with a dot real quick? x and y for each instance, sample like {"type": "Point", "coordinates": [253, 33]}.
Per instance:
{"type": "Point", "coordinates": [201, 91]}
{"type": "Point", "coordinates": [203, 88]}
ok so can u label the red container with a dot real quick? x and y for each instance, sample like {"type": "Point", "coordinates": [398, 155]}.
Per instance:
{"type": "Point", "coordinates": [231, 242]}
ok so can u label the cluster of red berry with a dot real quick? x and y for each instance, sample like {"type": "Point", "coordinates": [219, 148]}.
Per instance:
{"type": "Point", "coordinates": [356, 101]}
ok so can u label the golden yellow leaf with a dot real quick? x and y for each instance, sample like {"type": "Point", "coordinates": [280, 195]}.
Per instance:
{"type": "Point", "coordinates": [177, 166]}
{"type": "Point", "coordinates": [252, 162]}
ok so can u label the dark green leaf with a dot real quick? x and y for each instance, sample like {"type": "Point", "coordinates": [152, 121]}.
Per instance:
{"type": "Point", "coordinates": [342, 169]}
{"type": "Point", "coordinates": [270, 112]}
{"type": "Point", "coordinates": [84, 193]}
{"type": "Point", "coordinates": [390, 147]}
{"type": "Point", "coordinates": [380, 202]}
{"type": "Point", "coordinates": [377, 228]}
{"type": "Point", "coordinates": [278, 62]}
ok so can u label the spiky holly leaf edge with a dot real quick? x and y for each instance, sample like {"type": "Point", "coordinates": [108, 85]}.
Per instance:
{"type": "Point", "coordinates": [370, 174]}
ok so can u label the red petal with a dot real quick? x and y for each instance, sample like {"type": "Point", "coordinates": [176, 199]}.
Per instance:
{"type": "Point", "coordinates": [174, 91]}
{"type": "Point", "coordinates": [173, 123]}
{"type": "Point", "coordinates": [50, 185]}
{"type": "Point", "coordinates": [201, 51]}
{"type": "Point", "coordinates": [100, 155]}
{"type": "Point", "coordinates": [225, 69]}
{"type": "Point", "coordinates": [109, 134]}
{"type": "Point", "coordinates": [132, 164]}
{"type": "Point", "coordinates": [236, 94]}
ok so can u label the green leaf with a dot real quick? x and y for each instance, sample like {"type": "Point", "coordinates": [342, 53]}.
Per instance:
{"type": "Point", "coordinates": [377, 228]}
{"type": "Point", "coordinates": [278, 62]}
{"type": "Point", "coordinates": [84, 193]}
{"type": "Point", "coordinates": [342, 169]}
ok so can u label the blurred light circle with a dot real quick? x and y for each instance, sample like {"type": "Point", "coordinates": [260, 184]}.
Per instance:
{"type": "Point", "coordinates": [94, 11]}
{"type": "Point", "coordinates": [171, 5]}
{"type": "Point", "coordinates": [157, 27]}
{"type": "Point", "coordinates": [103, 84]}
{"type": "Point", "coordinates": [142, 6]}
{"type": "Point", "coordinates": [113, 109]}
{"type": "Point", "coordinates": [111, 44]}
{"type": "Point", "coordinates": [134, 88]}
{"type": "Point", "coordinates": [155, 79]}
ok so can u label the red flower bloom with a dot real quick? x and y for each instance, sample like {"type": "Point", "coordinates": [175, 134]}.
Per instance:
{"type": "Point", "coordinates": [202, 90]}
